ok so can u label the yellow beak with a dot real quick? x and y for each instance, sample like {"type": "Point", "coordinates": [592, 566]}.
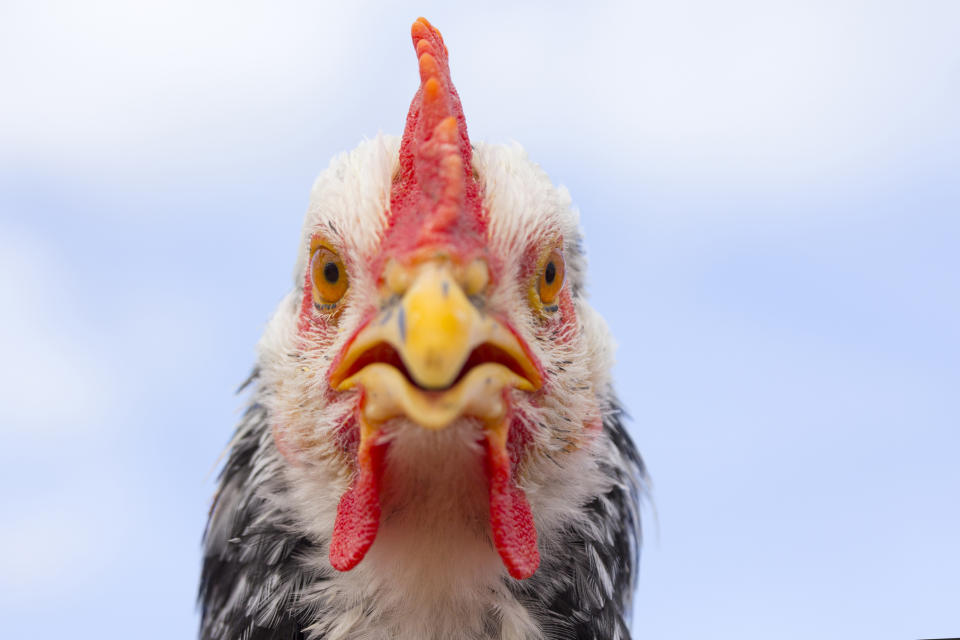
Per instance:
{"type": "Point", "coordinates": [434, 356]}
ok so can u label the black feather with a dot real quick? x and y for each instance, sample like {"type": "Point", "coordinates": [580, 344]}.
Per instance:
{"type": "Point", "coordinates": [251, 570]}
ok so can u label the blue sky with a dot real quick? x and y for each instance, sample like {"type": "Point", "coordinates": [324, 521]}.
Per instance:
{"type": "Point", "coordinates": [771, 206]}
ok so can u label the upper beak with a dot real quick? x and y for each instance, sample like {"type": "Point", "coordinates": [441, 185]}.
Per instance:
{"type": "Point", "coordinates": [434, 356]}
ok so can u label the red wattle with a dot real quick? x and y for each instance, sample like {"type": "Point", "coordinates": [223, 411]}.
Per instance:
{"type": "Point", "coordinates": [358, 514]}
{"type": "Point", "coordinates": [511, 520]}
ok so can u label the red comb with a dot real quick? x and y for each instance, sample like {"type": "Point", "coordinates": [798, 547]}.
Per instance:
{"type": "Point", "coordinates": [435, 200]}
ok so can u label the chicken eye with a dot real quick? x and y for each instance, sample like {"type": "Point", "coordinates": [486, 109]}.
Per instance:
{"type": "Point", "coordinates": [551, 278]}
{"type": "Point", "coordinates": [329, 278]}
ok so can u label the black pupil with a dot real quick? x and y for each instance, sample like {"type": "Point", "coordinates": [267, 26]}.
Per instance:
{"type": "Point", "coordinates": [551, 273]}
{"type": "Point", "coordinates": [331, 272]}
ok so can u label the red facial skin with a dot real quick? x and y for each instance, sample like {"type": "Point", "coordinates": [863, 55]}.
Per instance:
{"type": "Point", "coordinates": [358, 514]}
{"type": "Point", "coordinates": [435, 211]}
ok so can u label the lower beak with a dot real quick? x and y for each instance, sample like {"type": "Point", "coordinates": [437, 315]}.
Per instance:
{"type": "Point", "coordinates": [434, 357]}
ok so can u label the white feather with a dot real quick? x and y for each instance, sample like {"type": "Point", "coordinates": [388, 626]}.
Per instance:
{"type": "Point", "coordinates": [432, 572]}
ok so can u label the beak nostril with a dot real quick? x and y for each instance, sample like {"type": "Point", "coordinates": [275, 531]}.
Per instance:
{"type": "Point", "coordinates": [402, 324]}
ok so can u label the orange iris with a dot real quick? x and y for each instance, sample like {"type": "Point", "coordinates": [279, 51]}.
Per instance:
{"type": "Point", "coordinates": [329, 277]}
{"type": "Point", "coordinates": [551, 278]}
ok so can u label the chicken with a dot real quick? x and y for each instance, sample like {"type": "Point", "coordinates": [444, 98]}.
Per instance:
{"type": "Point", "coordinates": [433, 448]}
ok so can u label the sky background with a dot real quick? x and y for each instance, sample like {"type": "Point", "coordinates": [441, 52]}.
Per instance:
{"type": "Point", "coordinates": [770, 197]}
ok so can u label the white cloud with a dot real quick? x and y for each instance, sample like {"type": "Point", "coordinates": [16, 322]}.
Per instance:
{"type": "Point", "coordinates": [804, 89]}
{"type": "Point", "coordinates": [115, 80]}
{"type": "Point", "coordinates": [47, 547]}
{"type": "Point", "coordinates": [49, 381]}
{"type": "Point", "coordinates": [61, 542]}
{"type": "Point", "coordinates": [748, 93]}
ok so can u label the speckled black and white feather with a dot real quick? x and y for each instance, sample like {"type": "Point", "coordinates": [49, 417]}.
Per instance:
{"type": "Point", "coordinates": [257, 564]}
